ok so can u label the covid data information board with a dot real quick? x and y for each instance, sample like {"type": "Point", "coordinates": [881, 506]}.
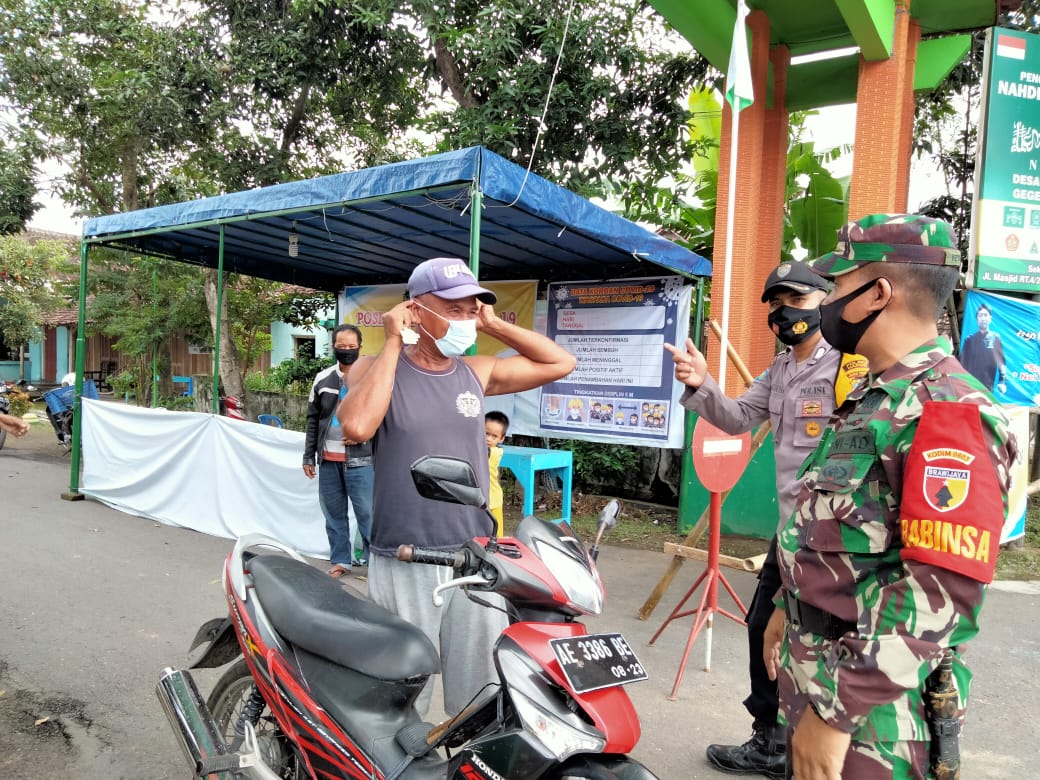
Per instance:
{"type": "Point", "coordinates": [623, 387]}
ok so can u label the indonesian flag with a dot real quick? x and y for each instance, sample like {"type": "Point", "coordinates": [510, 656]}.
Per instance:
{"type": "Point", "coordinates": [1010, 46]}
{"type": "Point", "coordinates": [739, 92]}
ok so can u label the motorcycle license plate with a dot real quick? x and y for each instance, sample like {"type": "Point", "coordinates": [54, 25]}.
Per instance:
{"type": "Point", "coordinates": [596, 661]}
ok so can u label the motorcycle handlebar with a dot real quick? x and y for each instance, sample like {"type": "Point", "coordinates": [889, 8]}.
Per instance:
{"type": "Point", "coordinates": [413, 554]}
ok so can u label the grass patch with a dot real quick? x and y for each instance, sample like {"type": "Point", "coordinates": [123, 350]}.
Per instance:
{"type": "Point", "coordinates": [648, 527]}
{"type": "Point", "coordinates": [640, 526]}
{"type": "Point", "coordinates": [1022, 562]}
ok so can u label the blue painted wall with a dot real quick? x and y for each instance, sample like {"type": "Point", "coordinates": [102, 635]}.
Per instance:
{"type": "Point", "coordinates": [62, 346]}
{"type": "Point", "coordinates": [36, 357]}
{"type": "Point", "coordinates": [282, 336]}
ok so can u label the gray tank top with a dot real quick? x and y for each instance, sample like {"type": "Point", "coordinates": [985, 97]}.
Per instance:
{"type": "Point", "coordinates": [431, 413]}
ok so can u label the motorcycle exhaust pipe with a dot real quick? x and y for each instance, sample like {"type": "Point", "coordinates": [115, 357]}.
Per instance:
{"type": "Point", "coordinates": [191, 721]}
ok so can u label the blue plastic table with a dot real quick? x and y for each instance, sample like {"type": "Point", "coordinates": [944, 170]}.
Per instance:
{"type": "Point", "coordinates": [525, 461]}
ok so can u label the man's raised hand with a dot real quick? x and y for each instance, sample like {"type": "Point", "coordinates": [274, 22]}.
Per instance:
{"type": "Point", "coordinates": [399, 319]}
{"type": "Point", "coordinates": [690, 366]}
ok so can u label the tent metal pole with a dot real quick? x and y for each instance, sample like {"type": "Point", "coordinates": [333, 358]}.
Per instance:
{"type": "Point", "coordinates": [476, 200]}
{"type": "Point", "coordinates": [81, 358]}
{"type": "Point", "coordinates": [155, 350]}
{"type": "Point", "coordinates": [216, 330]}
{"type": "Point", "coordinates": [688, 513]}
{"type": "Point", "coordinates": [475, 205]}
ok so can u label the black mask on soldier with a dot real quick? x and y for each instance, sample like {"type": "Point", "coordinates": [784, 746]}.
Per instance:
{"type": "Point", "coordinates": [346, 356]}
{"type": "Point", "coordinates": [793, 326]}
{"type": "Point", "coordinates": [841, 334]}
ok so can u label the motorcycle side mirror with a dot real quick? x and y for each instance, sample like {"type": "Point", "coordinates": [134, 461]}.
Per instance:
{"type": "Point", "coordinates": [441, 478]}
{"type": "Point", "coordinates": [608, 518]}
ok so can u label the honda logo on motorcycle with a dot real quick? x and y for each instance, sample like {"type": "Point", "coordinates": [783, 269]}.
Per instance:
{"type": "Point", "coordinates": [485, 773]}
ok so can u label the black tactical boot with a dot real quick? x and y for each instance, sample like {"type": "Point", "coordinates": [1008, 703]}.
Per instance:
{"type": "Point", "coordinates": [764, 754]}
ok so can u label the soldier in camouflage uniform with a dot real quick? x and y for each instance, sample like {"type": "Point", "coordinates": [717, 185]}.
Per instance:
{"type": "Point", "coordinates": [894, 536]}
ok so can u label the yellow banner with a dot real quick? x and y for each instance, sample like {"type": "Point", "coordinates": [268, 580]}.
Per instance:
{"type": "Point", "coordinates": [364, 307]}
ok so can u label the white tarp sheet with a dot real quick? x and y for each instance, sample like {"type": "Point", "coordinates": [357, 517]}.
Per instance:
{"type": "Point", "coordinates": [215, 475]}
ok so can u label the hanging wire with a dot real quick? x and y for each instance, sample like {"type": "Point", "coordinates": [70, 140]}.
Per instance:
{"type": "Point", "coordinates": [545, 108]}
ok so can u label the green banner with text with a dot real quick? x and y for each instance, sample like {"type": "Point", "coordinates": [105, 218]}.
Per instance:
{"type": "Point", "coordinates": [1006, 219]}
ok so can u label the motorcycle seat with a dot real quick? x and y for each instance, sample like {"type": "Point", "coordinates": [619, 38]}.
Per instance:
{"type": "Point", "coordinates": [314, 612]}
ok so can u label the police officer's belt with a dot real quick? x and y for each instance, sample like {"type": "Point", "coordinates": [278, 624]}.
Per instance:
{"type": "Point", "coordinates": [815, 620]}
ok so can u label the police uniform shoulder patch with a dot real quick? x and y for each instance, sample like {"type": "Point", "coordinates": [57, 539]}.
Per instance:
{"type": "Point", "coordinates": [852, 369]}
{"type": "Point", "coordinates": [951, 513]}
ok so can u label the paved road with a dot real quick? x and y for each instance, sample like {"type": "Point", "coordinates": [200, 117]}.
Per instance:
{"type": "Point", "coordinates": [94, 603]}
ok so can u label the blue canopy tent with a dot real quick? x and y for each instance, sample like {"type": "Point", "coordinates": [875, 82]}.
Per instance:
{"type": "Point", "coordinates": [374, 226]}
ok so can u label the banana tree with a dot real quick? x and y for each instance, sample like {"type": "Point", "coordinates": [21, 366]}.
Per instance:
{"type": "Point", "coordinates": [816, 202]}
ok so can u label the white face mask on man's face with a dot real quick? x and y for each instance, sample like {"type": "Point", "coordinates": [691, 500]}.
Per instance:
{"type": "Point", "coordinates": [461, 335]}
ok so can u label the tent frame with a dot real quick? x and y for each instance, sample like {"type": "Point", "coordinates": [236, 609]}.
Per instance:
{"type": "Point", "coordinates": [475, 205]}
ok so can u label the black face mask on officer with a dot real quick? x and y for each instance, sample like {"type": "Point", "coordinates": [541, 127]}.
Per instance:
{"type": "Point", "coordinates": [346, 357]}
{"type": "Point", "coordinates": [841, 334]}
{"type": "Point", "coordinates": [793, 326]}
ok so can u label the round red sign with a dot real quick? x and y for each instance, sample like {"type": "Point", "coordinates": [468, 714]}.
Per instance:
{"type": "Point", "coordinates": [719, 458]}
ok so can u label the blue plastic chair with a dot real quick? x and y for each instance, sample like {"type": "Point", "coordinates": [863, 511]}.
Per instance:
{"type": "Point", "coordinates": [185, 380]}
{"type": "Point", "coordinates": [269, 419]}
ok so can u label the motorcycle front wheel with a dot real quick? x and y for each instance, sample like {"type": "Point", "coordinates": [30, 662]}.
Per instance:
{"type": "Point", "coordinates": [3, 439]}
{"type": "Point", "coordinates": [229, 699]}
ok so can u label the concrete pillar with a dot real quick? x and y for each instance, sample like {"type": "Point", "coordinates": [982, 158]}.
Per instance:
{"type": "Point", "coordinates": [769, 209]}
{"type": "Point", "coordinates": [884, 124]}
{"type": "Point", "coordinates": [758, 218]}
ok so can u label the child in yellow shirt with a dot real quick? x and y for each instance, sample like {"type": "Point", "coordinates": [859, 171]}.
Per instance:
{"type": "Point", "coordinates": [495, 426]}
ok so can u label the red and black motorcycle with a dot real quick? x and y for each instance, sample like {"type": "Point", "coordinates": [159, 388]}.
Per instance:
{"type": "Point", "coordinates": [327, 681]}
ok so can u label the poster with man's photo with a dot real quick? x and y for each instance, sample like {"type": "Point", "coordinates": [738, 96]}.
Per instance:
{"type": "Point", "coordinates": [623, 388]}
{"type": "Point", "coordinates": [1000, 346]}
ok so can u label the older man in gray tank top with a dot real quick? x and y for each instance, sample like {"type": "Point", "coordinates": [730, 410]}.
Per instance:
{"type": "Point", "coordinates": [427, 398]}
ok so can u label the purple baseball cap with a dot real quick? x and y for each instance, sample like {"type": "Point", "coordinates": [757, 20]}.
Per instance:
{"type": "Point", "coordinates": [448, 278]}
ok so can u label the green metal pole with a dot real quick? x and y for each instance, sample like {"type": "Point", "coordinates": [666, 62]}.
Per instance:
{"type": "Point", "coordinates": [155, 350]}
{"type": "Point", "coordinates": [475, 204]}
{"type": "Point", "coordinates": [216, 331]}
{"type": "Point", "coordinates": [688, 513]}
{"type": "Point", "coordinates": [81, 357]}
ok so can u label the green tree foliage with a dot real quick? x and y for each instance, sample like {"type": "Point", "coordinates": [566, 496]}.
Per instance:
{"type": "Point", "coordinates": [33, 282]}
{"type": "Point", "coordinates": [118, 99]}
{"type": "Point", "coordinates": [617, 105]}
{"type": "Point", "coordinates": [253, 304]}
{"type": "Point", "coordinates": [320, 86]}
{"type": "Point", "coordinates": [148, 104]}
{"type": "Point", "coordinates": [142, 304]}
{"type": "Point", "coordinates": [816, 203]}
{"type": "Point", "coordinates": [297, 374]}
{"type": "Point", "coordinates": [17, 188]}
